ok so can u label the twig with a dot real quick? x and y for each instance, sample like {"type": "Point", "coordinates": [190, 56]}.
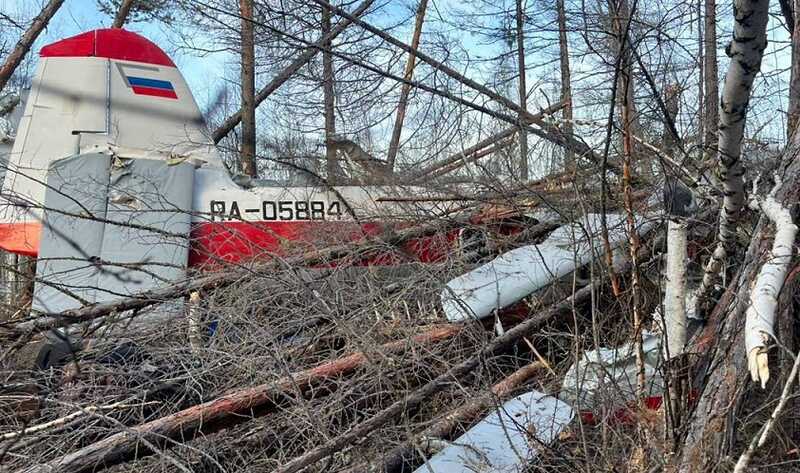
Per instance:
{"type": "Point", "coordinates": [761, 438]}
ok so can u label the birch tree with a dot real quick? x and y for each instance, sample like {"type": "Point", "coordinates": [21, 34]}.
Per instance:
{"type": "Point", "coordinates": [746, 50]}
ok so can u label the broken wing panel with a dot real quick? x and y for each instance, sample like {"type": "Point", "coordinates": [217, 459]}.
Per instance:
{"type": "Point", "coordinates": [501, 442]}
{"type": "Point", "coordinates": [149, 246]}
{"type": "Point", "coordinates": [72, 233]}
{"type": "Point", "coordinates": [518, 273]}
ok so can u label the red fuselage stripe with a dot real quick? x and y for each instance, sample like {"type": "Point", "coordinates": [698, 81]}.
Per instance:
{"type": "Point", "coordinates": [216, 242]}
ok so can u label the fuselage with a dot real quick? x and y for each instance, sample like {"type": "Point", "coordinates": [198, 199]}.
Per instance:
{"type": "Point", "coordinates": [114, 90]}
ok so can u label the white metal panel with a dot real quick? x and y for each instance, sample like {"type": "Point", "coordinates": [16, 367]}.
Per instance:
{"type": "Point", "coordinates": [146, 238]}
{"type": "Point", "coordinates": [168, 125]}
{"type": "Point", "coordinates": [514, 275]}
{"type": "Point", "coordinates": [72, 233]}
{"type": "Point", "coordinates": [69, 95]}
{"type": "Point", "coordinates": [502, 442]}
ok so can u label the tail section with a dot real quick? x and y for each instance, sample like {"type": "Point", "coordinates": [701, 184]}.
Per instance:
{"type": "Point", "coordinates": [104, 89]}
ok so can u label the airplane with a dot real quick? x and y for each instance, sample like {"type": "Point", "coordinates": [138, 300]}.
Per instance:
{"type": "Point", "coordinates": [115, 186]}
{"type": "Point", "coordinates": [113, 169]}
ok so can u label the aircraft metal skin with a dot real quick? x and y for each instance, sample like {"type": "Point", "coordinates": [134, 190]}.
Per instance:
{"type": "Point", "coordinates": [113, 90]}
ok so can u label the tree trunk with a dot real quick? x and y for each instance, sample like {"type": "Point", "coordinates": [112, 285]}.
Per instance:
{"type": "Point", "coordinates": [701, 108]}
{"type": "Point", "coordinates": [405, 89]}
{"type": "Point", "coordinates": [625, 91]}
{"type": "Point", "coordinates": [566, 81]}
{"type": "Point", "coordinates": [711, 85]}
{"type": "Point", "coordinates": [794, 80]}
{"type": "Point", "coordinates": [787, 10]}
{"type": "Point", "coordinates": [332, 168]}
{"type": "Point", "coordinates": [26, 41]}
{"type": "Point", "coordinates": [545, 130]}
{"type": "Point", "coordinates": [122, 13]}
{"type": "Point", "coordinates": [745, 50]}
{"type": "Point", "coordinates": [713, 420]}
{"type": "Point", "coordinates": [300, 61]}
{"type": "Point", "coordinates": [248, 153]}
{"type": "Point", "coordinates": [523, 94]}
{"type": "Point", "coordinates": [238, 404]}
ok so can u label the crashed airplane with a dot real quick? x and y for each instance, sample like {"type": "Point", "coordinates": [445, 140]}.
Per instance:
{"type": "Point", "coordinates": [113, 167]}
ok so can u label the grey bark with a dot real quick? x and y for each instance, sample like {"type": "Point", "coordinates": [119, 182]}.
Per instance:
{"type": "Point", "coordinates": [566, 81]}
{"type": "Point", "coordinates": [701, 128]}
{"type": "Point", "coordinates": [671, 101]}
{"type": "Point", "coordinates": [402, 104]}
{"type": "Point", "coordinates": [248, 77]}
{"type": "Point", "coordinates": [523, 93]}
{"type": "Point", "coordinates": [26, 41]}
{"type": "Point", "coordinates": [711, 85]}
{"type": "Point", "coordinates": [332, 168]}
{"type": "Point", "coordinates": [301, 60]}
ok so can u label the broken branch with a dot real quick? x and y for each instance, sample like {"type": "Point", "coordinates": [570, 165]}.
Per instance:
{"type": "Point", "coordinates": [760, 314]}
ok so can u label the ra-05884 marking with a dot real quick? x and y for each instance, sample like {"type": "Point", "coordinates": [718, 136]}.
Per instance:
{"type": "Point", "coordinates": [276, 210]}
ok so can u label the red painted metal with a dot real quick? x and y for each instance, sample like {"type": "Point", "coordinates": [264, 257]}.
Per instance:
{"type": "Point", "coordinates": [226, 242]}
{"type": "Point", "coordinates": [109, 43]}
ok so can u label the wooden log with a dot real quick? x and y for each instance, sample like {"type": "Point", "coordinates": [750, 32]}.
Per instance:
{"type": "Point", "coordinates": [444, 427]}
{"type": "Point", "coordinates": [184, 424]}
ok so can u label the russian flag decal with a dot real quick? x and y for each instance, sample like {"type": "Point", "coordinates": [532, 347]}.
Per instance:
{"type": "Point", "coordinates": [152, 87]}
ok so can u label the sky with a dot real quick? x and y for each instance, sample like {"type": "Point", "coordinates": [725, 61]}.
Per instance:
{"type": "Point", "coordinates": [204, 74]}
{"type": "Point", "coordinates": [78, 16]}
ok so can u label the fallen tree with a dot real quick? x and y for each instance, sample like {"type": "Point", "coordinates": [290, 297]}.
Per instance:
{"type": "Point", "coordinates": [476, 151]}
{"type": "Point", "coordinates": [543, 129]}
{"type": "Point", "coordinates": [726, 372]}
{"type": "Point", "coordinates": [444, 427]}
{"type": "Point", "coordinates": [185, 423]}
{"type": "Point", "coordinates": [132, 442]}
